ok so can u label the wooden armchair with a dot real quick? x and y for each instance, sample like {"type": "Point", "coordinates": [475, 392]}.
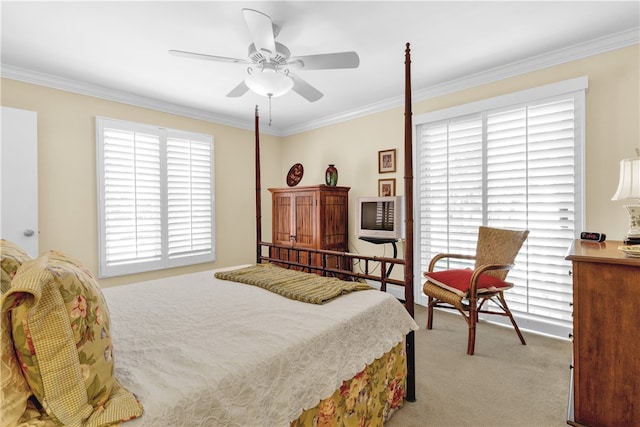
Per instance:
{"type": "Point", "coordinates": [468, 290]}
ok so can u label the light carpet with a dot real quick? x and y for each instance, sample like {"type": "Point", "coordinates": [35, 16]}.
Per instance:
{"type": "Point", "coordinates": [503, 384]}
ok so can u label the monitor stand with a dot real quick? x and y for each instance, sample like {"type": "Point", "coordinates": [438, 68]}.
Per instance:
{"type": "Point", "coordinates": [378, 241]}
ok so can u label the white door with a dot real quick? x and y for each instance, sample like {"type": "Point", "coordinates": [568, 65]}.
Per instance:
{"type": "Point", "coordinates": [19, 178]}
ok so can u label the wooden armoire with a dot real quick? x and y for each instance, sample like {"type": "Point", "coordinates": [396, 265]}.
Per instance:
{"type": "Point", "coordinates": [311, 217]}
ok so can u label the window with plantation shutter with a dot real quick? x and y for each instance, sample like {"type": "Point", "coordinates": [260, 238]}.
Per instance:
{"type": "Point", "coordinates": [189, 191]}
{"type": "Point", "coordinates": [155, 197]}
{"type": "Point", "coordinates": [509, 162]}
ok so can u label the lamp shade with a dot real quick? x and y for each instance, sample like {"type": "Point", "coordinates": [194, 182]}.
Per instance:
{"type": "Point", "coordinates": [629, 184]}
{"type": "Point", "coordinates": [269, 82]}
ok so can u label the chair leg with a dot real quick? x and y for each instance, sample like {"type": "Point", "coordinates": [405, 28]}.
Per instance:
{"type": "Point", "coordinates": [513, 321]}
{"type": "Point", "coordinates": [430, 313]}
{"type": "Point", "coordinates": [472, 320]}
{"type": "Point", "coordinates": [471, 343]}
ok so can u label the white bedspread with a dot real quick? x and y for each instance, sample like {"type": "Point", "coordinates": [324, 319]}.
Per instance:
{"type": "Point", "coordinates": [201, 351]}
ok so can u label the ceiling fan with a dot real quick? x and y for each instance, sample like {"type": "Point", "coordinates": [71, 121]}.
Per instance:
{"type": "Point", "coordinates": [269, 73]}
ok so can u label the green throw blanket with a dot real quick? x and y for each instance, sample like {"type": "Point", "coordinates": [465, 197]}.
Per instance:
{"type": "Point", "coordinates": [297, 285]}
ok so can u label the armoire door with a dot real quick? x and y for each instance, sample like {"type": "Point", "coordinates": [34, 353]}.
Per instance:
{"type": "Point", "coordinates": [304, 220]}
{"type": "Point", "coordinates": [282, 216]}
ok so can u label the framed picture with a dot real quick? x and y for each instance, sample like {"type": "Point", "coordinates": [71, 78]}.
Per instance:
{"type": "Point", "coordinates": [387, 187]}
{"type": "Point", "coordinates": [387, 161]}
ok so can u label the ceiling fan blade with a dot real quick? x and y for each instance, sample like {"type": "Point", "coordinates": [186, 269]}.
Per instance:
{"type": "Point", "coordinates": [304, 89]}
{"type": "Point", "coordinates": [261, 30]}
{"type": "Point", "coordinates": [194, 55]}
{"type": "Point", "coordinates": [239, 90]}
{"type": "Point", "coordinates": [326, 61]}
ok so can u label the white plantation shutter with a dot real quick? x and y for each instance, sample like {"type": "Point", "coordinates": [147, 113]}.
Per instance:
{"type": "Point", "coordinates": [450, 186]}
{"type": "Point", "coordinates": [190, 201]}
{"type": "Point", "coordinates": [132, 203]}
{"type": "Point", "coordinates": [515, 166]}
{"type": "Point", "coordinates": [155, 196]}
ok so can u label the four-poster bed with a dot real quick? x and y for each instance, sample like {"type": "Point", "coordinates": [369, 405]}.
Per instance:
{"type": "Point", "coordinates": [203, 349]}
{"type": "Point", "coordinates": [343, 269]}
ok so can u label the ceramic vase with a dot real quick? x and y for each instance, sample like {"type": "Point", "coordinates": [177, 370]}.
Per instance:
{"type": "Point", "coordinates": [331, 176]}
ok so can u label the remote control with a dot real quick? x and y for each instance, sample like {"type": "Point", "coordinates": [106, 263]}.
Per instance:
{"type": "Point", "coordinates": [595, 237]}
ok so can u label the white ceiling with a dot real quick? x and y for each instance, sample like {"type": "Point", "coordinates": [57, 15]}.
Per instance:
{"type": "Point", "coordinates": [118, 49]}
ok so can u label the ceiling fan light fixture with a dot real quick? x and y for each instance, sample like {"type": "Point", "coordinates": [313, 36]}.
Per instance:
{"type": "Point", "coordinates": [269, 82]}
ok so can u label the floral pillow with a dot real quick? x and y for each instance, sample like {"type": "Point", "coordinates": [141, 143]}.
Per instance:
{"type": "Point", "coordinates": [15, 391]}
{"type": "Point", "coordinates": [11, 257]}
{"type": "Point", "coordinates": [61, 333]}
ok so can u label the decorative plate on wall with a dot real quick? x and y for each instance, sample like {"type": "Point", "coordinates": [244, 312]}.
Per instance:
{"type": "Point", "coordinates": [295, 175]}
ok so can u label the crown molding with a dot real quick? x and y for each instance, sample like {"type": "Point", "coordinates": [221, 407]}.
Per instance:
{"type": "Point", "coordinates": [560, 56]}
{"type": "Point", "coordinates": [83, 88]}
{"type": "Point", "coordinates": [557, 57]}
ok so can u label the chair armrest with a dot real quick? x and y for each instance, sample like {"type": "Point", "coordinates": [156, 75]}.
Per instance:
{"type": "Point", "coordinates": [473, 286]}
{"type": "Point", "coordinates": [438, 257]}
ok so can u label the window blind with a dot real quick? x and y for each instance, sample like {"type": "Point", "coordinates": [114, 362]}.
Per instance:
{"type": "Point", "coordinates": [156, 197]}
{"type": "Point", "coordinates": [189, 197]}
{"type": "Point", "coordinates": [515, 166]}
{"type": "Point", "coordinates": [132, 204]}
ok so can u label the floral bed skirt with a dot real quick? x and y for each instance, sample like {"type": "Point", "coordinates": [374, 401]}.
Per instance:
{"type": "Point", "coordinates": [368, 399]}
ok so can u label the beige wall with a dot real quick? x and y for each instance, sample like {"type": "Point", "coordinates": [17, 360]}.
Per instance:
{"type": "Point", "coordinates": [612, 133]}
{"type": "Point", "coordinates": [353, 147]}
{"type": "Point", "coordinates": [67, 172]}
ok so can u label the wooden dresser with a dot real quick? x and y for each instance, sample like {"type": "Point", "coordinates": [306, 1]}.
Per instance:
{"type": "Point", "coordinates": [312, 217]}
{"type": "Point", "coordinates": [606, 329]}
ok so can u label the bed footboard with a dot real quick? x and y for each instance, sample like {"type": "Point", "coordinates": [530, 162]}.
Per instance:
{"type": "Point", "coordinates": [344, 265]}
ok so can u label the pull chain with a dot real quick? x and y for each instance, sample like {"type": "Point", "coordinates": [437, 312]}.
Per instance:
{"type": "Point", "coordinates": [270, 108]}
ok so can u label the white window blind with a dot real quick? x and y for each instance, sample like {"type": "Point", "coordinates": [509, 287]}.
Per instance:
{"type": "Point", "coordinates": [513, 166]}
{"type": "Point", "coordinates": [189, 166]}
{"type": "Point", "coordinates": [155, 197]}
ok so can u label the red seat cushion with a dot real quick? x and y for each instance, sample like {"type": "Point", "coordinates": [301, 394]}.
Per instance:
{"type": "Point", "coordinates": [458, 281]}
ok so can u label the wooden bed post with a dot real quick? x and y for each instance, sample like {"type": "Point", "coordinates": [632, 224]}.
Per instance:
{"type": "Point", "coordinates": [408, 183]}
{"type": "Point", "coordinates": [408, 249]}
{"type": "Point", "coordinates": [258, 195]}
